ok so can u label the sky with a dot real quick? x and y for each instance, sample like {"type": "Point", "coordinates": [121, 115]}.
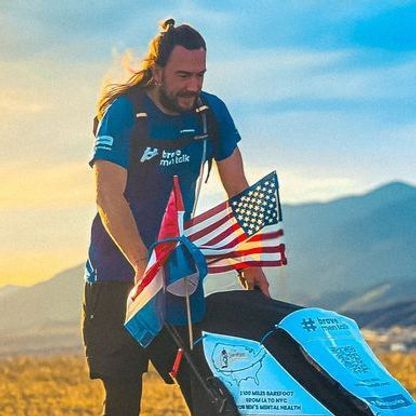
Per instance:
{"type": "Point", "coordinates": [323, 92]}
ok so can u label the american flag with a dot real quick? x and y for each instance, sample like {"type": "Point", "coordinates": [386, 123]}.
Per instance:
{"type": "Point", "coordinates": [242, 232]}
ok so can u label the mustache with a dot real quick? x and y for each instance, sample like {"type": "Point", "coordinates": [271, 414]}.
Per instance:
{"type": "Point", "coordinates": [188, 95]}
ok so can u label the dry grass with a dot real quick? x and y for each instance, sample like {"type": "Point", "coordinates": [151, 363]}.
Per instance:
{"type": "Point", "coordinates": [57, 386]}
{"type": "Point", "coordinates": [403, 367]}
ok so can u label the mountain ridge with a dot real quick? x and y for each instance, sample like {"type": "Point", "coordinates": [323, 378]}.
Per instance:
{"type": "Point", "coordinates": [352, 255]}
{"type": "Point", "coordinates": [374, 194]}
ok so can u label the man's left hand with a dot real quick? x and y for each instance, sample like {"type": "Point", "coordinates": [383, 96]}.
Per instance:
{"type": "Point", "coordinates": [254, 277]}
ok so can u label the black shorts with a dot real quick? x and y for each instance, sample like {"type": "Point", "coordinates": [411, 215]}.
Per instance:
{"type": "Point", "coordinates": [111, 351]}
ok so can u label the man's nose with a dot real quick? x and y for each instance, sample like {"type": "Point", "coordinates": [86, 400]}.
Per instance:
{"type": "Point", "coordinates": [194, 84]}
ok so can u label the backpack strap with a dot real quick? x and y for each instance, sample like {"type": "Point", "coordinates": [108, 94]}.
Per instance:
{"type": "Point", "coordinates": [202, 110]}
{"type": "Point", "coordinates": [210, 128]}
{"type": "Point", "coordinates": [210, 124]}
{"type": "Point", "coordinates": [136, 96]}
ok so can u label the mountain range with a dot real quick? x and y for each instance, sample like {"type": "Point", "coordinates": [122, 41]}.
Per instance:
{"type": "Point", "coordinates": [343, 249]}
{"type": "Point", "coordinates": [354, 255]}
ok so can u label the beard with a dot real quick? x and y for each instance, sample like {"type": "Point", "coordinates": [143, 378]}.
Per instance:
{"type": "Point", "coordinates": [171, 101]}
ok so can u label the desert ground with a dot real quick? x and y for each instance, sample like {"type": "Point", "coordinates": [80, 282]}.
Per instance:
{"type": "Point", "coordinates": [59, 385]}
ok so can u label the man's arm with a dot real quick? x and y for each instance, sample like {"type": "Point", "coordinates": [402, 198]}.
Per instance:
{"type": "Point", "coordinates": [233, 178]}
{"type": "Point", "coordinates": [231, 171]}
{"type": "Point", "coordinates": [116, 216]}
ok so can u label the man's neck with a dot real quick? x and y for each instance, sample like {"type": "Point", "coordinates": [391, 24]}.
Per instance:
{"type": "Point", "coordinates": [153, 94]}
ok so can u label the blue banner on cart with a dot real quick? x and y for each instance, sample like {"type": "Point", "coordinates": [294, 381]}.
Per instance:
{"type": "Point", "coordinates": [335, 343]}
{"type": "Point", "coordinates": [259, 384]}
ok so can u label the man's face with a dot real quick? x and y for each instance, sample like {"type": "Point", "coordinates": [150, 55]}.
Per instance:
{"type": "Point", "coordinates": [181, 79]}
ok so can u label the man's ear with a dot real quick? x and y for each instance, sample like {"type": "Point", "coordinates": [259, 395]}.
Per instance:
{"type": "Point", "coordinates": [157, 74]}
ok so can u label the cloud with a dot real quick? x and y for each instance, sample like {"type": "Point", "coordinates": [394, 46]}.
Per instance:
{"type": "Point", "coordinates": [38, 242]}
{"type": "Point", "coordinates": [89, 30]}
{"type": "Point", "coordinates": [29, 267]}
{"type": "Point", "coordinates": [60, 186]}
{"type": "Point", "coordinates": [297, 184]}
{"type": "Point", "coordinates": [405, 134]}
{"type": "Point", "coordinates": [278, 74]}
{"type": "Point", "coordinates": [47, 111]}
{"type": "Point", "coordinates": [13, 103]}
{"type": "Point", "coordinates": [201, 16]}
{"type": "Point", "coordinates": [32, 28]}
{"type": "Point", "coordinates": [316, 24]}
{"type": "Point", "coordinates": [356, 10]}
{"type": "Point", "coordinates": [294, 185]}
{"type": "Point", "coordinates": [92, 28]}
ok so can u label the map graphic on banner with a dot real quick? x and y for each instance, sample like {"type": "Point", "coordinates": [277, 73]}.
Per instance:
{"type": "Point", "coordinates": [335, 343]}
{"type": "Point", "coordinates": [238, 362]}
{"type": "Point", "coordinates": [258, 383]}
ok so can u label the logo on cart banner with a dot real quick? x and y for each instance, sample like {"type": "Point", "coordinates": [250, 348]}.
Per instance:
{"type": "Point", "coordinates": [326, 324]}
{"type": "Point", "coordinates": [237, 362]}
{"type": "Point", "coordinates": [308, 324]}
{"type": "Point", "coordinates": [392, 402]}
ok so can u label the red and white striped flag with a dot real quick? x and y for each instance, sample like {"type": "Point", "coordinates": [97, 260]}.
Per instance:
{"type": "Point", "coordinates": [145, 314]}
{"type": "Point", "coordinates": [242, 232]}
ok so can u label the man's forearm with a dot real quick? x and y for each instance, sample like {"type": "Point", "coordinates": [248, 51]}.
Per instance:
{"type": "Point", "coordinates": [238, 186]}
{"type": "Point", "coordinates": [119, 222]}
{"type": "Point", "coordinates": [232, 174]}
{"type": "Point", "coordinates": [231, 171]}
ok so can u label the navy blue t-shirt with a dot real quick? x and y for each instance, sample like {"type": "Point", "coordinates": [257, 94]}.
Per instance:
{"type": "Point", "coordinates": [151, 164]}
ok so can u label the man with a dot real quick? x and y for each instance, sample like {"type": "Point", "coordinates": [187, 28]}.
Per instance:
{"type": "Point", "coordinates": [136, 154]}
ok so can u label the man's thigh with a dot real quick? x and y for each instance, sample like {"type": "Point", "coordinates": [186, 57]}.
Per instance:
{"type": "Point", "coordinates": [111, 351]}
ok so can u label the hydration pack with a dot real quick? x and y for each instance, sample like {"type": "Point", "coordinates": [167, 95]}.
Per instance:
{"type": "Point", "coordinates": [208, 120]}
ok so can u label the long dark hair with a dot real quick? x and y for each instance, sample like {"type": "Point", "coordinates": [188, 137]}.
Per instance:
{"type": "Point", "coordinates": [160, 48]}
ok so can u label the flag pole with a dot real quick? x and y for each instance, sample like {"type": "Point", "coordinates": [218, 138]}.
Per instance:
{"type": "Point", "coordinates": [188, 315]}
{"type": "Point", "coordinates": [180, 206]}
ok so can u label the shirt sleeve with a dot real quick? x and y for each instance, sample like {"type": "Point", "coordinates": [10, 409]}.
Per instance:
{"type": "Point", "coordinates": [228, 135]}
{"type": "Point", "coordinates": [112, 141]}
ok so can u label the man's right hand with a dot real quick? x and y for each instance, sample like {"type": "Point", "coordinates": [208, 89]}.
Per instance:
{"type": "Point", "coordinates": [139, 269]}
